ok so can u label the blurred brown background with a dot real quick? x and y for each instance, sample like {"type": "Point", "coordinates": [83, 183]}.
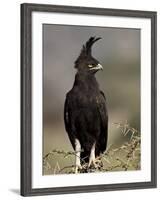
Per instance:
{"type": "Point", "coordinates": [119, 54]}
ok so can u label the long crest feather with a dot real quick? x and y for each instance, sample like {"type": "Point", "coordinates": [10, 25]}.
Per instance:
{"type": "Point", "coordinates": [87, 49]}
{"type": "Point", "coordinates": [89, 43]}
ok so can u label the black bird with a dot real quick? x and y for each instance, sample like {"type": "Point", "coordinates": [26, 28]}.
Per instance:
{"type": "Point", "coordinates": [85, 112]}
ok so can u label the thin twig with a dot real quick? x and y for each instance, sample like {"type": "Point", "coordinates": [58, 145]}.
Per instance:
{"type": "Point", "coordinates": [110, 156]}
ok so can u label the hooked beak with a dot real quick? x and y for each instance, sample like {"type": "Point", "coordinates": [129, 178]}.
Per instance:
{"type": "Point", "coordinates": [97, 67]}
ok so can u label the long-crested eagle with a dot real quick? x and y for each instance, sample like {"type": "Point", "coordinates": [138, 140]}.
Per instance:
{"type": "Point", "coordinates": [85, 111]}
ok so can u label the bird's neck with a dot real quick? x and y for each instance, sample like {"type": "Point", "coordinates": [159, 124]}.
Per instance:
{"type": "Point", "coordinates": [86, 81]}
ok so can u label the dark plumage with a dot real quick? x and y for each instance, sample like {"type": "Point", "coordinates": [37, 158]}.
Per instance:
{"type": "Point", "coordinates": [85, 112]}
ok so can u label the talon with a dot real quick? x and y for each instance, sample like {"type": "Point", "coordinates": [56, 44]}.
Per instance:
{"type": "Point", "coordinates": [96, 163]}
{"type": "Point", "coordinates": [77, 168]}
{"type": "Point", "coordinates": [92, 162]}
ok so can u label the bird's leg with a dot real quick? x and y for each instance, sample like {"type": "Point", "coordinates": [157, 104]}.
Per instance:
{"type": "Point", "coordinates": [92, 156]}
{"type": "Point", "coordinates": [77, 156]}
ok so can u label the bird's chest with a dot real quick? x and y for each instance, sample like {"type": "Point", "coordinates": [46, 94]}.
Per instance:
{"type": "Point", "coordinates": [85, 100]}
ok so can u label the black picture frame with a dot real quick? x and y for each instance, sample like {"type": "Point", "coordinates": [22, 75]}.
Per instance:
{"type": "Point", "coordinates": [26, 95]}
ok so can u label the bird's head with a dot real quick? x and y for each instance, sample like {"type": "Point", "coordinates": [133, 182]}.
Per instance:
{"type": "Point", "coordinates": [85, 62]}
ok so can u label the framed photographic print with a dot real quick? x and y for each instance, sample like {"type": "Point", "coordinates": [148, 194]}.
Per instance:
{"type": "Point", "coordinates": [88, 99]}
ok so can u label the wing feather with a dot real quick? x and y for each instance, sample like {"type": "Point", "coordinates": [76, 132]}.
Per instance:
{"type": "Point", "coordinates": [67, 120]}
{"type": "Point", "coordinates": [104, 122]}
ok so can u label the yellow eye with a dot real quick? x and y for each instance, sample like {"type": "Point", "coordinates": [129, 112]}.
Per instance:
{"type": "Point", "coordinates": [90, 66]}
